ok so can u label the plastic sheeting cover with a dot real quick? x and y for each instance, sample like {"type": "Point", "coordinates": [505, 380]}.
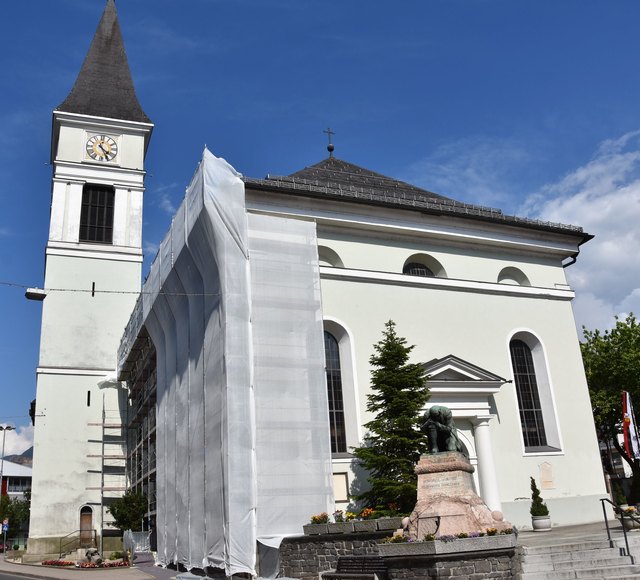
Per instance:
{"type": "Point", "coordinates": [242, 436]}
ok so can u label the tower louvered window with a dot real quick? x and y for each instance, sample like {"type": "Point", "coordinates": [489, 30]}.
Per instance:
{"type": "Point", "coordinates": [96, 215]}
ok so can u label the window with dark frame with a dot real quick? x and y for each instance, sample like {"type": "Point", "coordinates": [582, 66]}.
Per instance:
{"type": "Point", "coordinates": [528, 397]}
{"type": "Point", "coordinates": [334, 388]}
{"type": "Point", "coordinates": [417, 269]}
{"type": "Point", "coordinates": [96, 215]}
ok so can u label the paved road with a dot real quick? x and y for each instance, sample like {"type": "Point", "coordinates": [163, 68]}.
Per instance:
{"type": "Point", "coordinates": [6, 576]}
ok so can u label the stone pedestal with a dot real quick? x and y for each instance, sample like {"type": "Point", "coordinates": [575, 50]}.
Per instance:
{"type": "Point", "coordinates": [445, 489]}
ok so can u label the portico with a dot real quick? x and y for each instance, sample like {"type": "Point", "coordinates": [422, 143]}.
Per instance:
{"type": "Point", "coordinates": [468, 391]}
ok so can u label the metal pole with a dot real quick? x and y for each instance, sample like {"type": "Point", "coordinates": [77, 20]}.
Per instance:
{"type": "Point", "coordinates": [4, 433]}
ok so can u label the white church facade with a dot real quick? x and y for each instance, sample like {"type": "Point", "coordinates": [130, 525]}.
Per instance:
{"type": "Point", "coordinates": [244, 367]}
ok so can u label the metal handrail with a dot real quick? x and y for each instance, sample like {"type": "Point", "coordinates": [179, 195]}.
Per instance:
{"type": "Point", "coordinates": [78, 539]}
{"type": "Point", "coordinates": [617, 509]}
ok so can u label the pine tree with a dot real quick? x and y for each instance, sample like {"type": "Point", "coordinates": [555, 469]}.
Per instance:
{"type": "Point", "coordinates": [394, 442]}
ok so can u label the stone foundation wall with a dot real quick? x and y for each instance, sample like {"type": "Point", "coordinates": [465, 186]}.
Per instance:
{"type": "Point", "coordinates": [305, 557]}
{"type": "Point", "coordinates": [456, 567]}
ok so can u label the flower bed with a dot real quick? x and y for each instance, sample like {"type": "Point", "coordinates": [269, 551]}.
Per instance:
{"type": "Point", "coordinates": [448, 545]}
{"type": "Point", "coordinates": [58, 563]}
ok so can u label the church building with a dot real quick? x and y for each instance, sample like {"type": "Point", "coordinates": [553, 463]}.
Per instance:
{"type": "Point", "coordinates": [243, 372]}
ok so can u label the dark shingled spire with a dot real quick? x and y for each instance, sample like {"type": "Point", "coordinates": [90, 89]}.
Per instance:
{"type": "Point", "coordinates": [104, 87]}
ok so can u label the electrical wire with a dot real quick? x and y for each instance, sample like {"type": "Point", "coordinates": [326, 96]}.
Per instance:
{"type": "Point", "coordinates": [92, 292]}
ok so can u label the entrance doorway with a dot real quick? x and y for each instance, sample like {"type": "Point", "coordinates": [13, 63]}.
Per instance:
{"type": "Point", "coordinates": [86, 527]}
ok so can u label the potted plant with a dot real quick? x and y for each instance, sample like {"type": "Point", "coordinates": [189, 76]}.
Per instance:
{"type": "Point", "coordinates": [540, 520]}
{"type": "Point", "coordinates": [366, 521]}
{"type": "Point", "coordinates": [319, 525]}
{"type": "Point", "coordinates": [390, 519]}
{"type": "Point", "coordinates": [631, 518]}
{"type": "Point", "coordinates": [341, 524]}
{"type": "Point", "coordinates": [618, 495]}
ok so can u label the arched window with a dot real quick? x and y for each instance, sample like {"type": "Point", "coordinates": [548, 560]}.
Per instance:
{"type": "Point", "coordinates": [423, 265]}
{"type": "Point", "coordinates": [328, 257]}
{"type": "Point", "coordinates": [530, 404]}
{"type": "Point", "coordinates": [334, 387]}
{"type": "Point", "coordinates": [96, 214]}
{"type": "Point", "coordinates": [514, 276]}
{"type": "Point", "coordinates": [417, 269]}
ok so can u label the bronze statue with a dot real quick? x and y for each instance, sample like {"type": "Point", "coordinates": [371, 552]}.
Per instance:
{"type": "Point", "coordinates": [441, 431]}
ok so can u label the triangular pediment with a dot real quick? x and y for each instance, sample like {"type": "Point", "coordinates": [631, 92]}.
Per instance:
{"type": "Point", "coordinates": [455, 369]}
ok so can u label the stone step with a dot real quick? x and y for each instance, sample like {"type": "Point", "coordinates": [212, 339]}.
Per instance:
{"type": "Point", "coordinates": [628, 570]}
{"type": "Point", "coordinates": [561, 556]}
{"type": "Point", "coordinates": [573, 547]}
{"type": "Point", "coordinates": [563, 565]}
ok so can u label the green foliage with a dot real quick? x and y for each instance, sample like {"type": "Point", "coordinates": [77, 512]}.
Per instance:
{"type": "Point", "coordinates": [618, 494]}
{"type": "Point", "coordinates": [538, 507]}
{"type": "Point", "coordinates": [17, 511]}
{"type": "Point", "coordinates": [128, 511]}
{"type": "Point", "coordinates": [612, 365]}
{"type": "Point", "coordinates": [394, 441]}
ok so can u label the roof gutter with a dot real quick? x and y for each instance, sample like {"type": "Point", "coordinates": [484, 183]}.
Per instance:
{"type": "Point", "coordinates": [574, 257]}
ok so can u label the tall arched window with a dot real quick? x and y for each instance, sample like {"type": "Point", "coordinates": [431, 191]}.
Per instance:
{"type": "Point", "coordinates": [531, 415]}
{"type": "Point", "coordinates": [334, 387]}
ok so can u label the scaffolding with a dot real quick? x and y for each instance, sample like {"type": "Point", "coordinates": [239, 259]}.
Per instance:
{"type": "Point", "coordinates": [112, 470]}
{"type": "Point", "coordinates": [141, 425]}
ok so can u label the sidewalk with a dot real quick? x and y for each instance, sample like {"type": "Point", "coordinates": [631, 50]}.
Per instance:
{"type": "Point", "coordinates": [143, 569]}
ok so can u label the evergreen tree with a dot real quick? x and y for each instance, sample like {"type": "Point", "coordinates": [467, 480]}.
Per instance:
{"type": "Point", "coordinates": [394, 442]}
{"type": "Point", "coordinates": [128, 511]}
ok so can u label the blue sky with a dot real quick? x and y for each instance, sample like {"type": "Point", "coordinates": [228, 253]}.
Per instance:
{"type": "Point", "coordinates": [527, 106]}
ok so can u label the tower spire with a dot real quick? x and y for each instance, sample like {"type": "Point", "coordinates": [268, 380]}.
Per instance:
{"type": "Point", "coordinates": [104, 87]}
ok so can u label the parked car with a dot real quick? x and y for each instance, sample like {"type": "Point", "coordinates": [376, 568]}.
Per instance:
{"type": "Point", "coordinates": [4, 547]}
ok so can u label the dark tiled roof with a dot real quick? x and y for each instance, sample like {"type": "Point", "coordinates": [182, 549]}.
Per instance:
{"type": "Point", "coordinates": [333, 178]}
{"type": "Point", "coordinates": [104, 87]}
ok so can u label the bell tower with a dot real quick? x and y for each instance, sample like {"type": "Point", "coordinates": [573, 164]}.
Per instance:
{"type": "Point", "coordinates": [92, 277]}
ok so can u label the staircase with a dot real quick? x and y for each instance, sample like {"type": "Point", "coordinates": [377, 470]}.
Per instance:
{"type": "Point", "coordinates": [580, 559]}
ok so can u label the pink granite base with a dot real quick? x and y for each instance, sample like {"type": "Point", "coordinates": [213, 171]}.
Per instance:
{"type": "Point", "coordinates": [445, 489]}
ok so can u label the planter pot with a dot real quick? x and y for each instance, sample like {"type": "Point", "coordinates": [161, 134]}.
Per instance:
{"type": "Point", "coordinates": [340, 528]}
{"type": "Point", "coordinates": [541, 523]}
{"type": "Point", "coordinates": [499, 542]}
{"type": "Point", "coordinates": [365, 525]}
{"type": "Point", "coordinates": [629, 524]}
{"type": "Point", "coordinates": [315, 529]}
{"type": "Point", "coordinates": [393, 523]}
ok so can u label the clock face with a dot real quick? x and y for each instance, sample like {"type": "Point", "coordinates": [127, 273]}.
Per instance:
{"type": "Point", "coordinates": [102, 148]}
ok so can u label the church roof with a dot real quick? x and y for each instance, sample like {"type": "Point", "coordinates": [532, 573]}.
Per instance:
{"type": "Point", "coordinates": [104, 87]}
{"type": "Point", "coordinates": [333, 178]}
{"type": "Point", "coordinates": [335, 172]}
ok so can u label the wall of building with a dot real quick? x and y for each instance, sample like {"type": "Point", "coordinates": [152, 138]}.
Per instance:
{"type": "Point", "coordinates": [470, 315]}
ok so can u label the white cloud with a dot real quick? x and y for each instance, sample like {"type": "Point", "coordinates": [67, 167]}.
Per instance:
{"type": "Point", "coordinates": [150, 248]}
{"type": "Point", "coordinates": [480, 170]}
{"type": "Point", "coordinates": [18, 441]}
{"type": "Point", "coordinates": [603, 196]}
{"type": "Point", "coordinates": [163, 199]}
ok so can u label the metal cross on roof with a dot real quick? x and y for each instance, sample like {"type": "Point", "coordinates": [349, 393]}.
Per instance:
{"type": "Point", "coordinates": [330, 147]}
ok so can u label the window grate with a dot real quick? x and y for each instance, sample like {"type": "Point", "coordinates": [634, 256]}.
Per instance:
{"type": "Point", "coordinates": [528, 397]}
{"type": "Point", "coordinates": [334, 391]}
{"type": "Point", "coordinates": [96, 215]}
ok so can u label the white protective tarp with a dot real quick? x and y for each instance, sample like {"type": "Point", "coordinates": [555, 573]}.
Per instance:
{"type": "Point", "coordinates": [232, 304]}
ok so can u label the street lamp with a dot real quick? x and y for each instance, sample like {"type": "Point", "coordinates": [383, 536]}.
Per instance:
{"type": "Point", "coordinates": [4, 434]}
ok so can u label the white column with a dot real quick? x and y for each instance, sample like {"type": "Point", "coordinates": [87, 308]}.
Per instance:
{"type": "Point", "coordinates": [486, 466]}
